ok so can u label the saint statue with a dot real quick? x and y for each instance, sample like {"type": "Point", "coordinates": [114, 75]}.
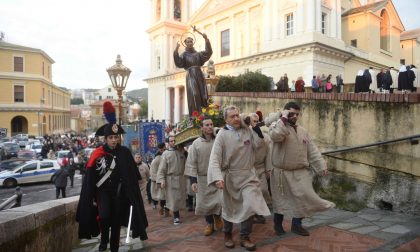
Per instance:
{"type": "Point", "coordinates": [192, 61]}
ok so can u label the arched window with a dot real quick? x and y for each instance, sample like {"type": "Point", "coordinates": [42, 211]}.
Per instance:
{"type": "Point", "coordinates": [385, 31]}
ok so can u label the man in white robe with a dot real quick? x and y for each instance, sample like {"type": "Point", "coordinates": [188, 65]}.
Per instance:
{"type": "Point", "coordinates": [208, 199]}
{"type": "Point", "coordinates": [158, 194]}
{"type": "Point", "coordinates": [171, 177]}
{"type": "Point", "coordinates": [231, 168]}
{"type": "Point", "coordinates": [294, 153]}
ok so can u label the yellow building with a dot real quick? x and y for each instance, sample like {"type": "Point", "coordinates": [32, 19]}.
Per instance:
{"type": "Point", "coordinates": [298, 37]}
{"type": "Point", "coordinates": [410, 48]}
{"type": "Point", "coordinates": [29, 101]}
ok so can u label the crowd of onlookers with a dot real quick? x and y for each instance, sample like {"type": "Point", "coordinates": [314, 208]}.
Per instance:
{"type": "Point", "coordinates": [319, 84]}
{"type": "Point", "coordinates": [404, 80]}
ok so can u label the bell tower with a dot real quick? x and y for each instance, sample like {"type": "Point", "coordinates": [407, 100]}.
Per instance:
{"type": "Point", "coordinates": [169, 20]}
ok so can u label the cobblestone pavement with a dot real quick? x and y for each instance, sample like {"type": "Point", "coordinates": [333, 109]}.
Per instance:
{"type": "Point", "coordinates": [334, 230]}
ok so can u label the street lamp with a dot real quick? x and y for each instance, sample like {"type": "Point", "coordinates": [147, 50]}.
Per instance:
{"type": "Point", "coordinates": [119, 74]}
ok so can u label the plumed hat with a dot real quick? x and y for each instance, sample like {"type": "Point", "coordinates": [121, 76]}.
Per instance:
{"type": "Point", "coordinates": [110, 128]}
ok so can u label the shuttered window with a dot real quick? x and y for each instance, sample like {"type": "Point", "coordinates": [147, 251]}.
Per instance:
{"type": "Point", "coordinates": [18, 64]}
{"type": "Point", "coordinates": [19, 93]}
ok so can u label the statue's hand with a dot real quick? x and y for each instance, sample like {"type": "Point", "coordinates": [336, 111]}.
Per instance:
{"type": "Point", "coordinates": [177, 46]}
{"type": "Point", "coordinates": [204, 36]}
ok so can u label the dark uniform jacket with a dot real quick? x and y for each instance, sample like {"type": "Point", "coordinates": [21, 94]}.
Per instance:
{"type": "Point", "coordinates": [125, 173]}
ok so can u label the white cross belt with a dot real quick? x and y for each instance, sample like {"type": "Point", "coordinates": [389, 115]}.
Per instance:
{"type": "Point", "coordinates": [107, 174]}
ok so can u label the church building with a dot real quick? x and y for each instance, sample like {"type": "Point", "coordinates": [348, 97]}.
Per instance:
{"type": "Point", "coordinates": [296, 37]}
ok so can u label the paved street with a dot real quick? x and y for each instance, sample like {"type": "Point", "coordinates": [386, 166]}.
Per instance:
{"type": "Point", "coordinates": [334, 230]}
{"type": "Point", "coordinates": [40, 192]}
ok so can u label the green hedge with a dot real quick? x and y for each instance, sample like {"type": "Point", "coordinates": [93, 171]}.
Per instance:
{"type": "Point", "coordinates": [247, 82]}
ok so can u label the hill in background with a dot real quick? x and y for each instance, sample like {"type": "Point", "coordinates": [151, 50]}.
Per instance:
{"type": "Point", "coordinates": [138, 94]}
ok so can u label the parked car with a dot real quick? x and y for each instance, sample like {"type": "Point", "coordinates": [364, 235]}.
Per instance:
{"type": "Point", "coordinates": [37, 148]}
{"type": "Point", "coordinates": [19, 136]}
{"type": "Point", "coordinates": [61, 155]}
{"type": "Point", "coordinates": [30, 172]}
{"type": "Point", "coordinates": [9, 150]}
{"type": "Point", "coordinates": [28, 154]}
{"type": "Point", "coordinates": [12, 163]}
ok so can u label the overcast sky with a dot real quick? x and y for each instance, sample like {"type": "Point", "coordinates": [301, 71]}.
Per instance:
{"type": "Point", "coordinates": [85, 36]}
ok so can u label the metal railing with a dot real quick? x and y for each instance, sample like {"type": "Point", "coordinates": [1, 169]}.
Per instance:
{"type": "Point", "coordinates": [411, 138]}
{"type": "Point", "coordinates": [15, 199]}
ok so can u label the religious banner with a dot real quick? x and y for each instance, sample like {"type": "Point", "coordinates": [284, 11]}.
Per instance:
{"type": "Point", "coordinates": [131, 138]}
{"type": "Point", "coordinates": [150, 135]}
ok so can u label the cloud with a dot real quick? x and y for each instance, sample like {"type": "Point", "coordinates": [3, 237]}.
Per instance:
{"type": "Point", "coordinates": [83, 37]}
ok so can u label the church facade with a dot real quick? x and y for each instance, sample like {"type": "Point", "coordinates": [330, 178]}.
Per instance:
{"type": "Point", "coordinates": [296, 37]}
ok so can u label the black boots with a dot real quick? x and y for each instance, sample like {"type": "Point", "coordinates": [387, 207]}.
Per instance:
{"type": "Point", "coordinates": [297, 227]}
{"type": "Point", "coordinates": [278, 224]}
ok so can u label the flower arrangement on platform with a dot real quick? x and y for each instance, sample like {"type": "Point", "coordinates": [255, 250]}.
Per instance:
{"type": "Point", "coordinates": [212, 111]}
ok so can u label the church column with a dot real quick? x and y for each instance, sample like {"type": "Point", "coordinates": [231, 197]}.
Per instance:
{"type": "Point", "coordinates": [216, 48]}
{"type": "Point", "coordinates": [310, 16]}
{"type": "Point", "coordinates": [247, 32]}
{"type": "Point", "coordinates": [276, 19]}
{"type": "Point", "coordinates": [338, 18]}
{"type": "Point", "coordinates": [267, 21]}
{"type": "Point", "coordinates": [300, 17]}
{"type": "Point", "coordinates": [185, 107]}
{"type": "Point", "coordinates": [171, 10]}
{"type": "Point", "coordinates": [164, 9]}
{"type": "Point", "coordinates": [152, 56]}
{"type": "Point", "coordinates": [332, 21]}
{"type": "Point", "coordinates": [177, 116]}
{"type": "Point", "coordinates": [165, 54]}
{"type": "Point", "coordinates": [168, 104]}
{"type": "Point", "coordinates": [318, 13]}
{"type": "Point", "coordinates": [233, 36]}
{"type": "Point", "coordinates": [153, 17]}
{"type": "Point", "coordinates": [171, 51]}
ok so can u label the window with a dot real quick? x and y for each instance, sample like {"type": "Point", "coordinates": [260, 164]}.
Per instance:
{"type": "Point", "coordinates": [47, 165]}
{"type": "Point", "coordinates": [43, 96]}
{"type": "Point", "coordinates": [324, 23]}
{"type": "Point", "coordinates": [353, 42]}
{"type": "Point", "coordinates": [49, 72]}
{"type": "Point", "coordinates": [100, 97]}
{"type": "Point", "coordinates": [43, 68]}
{"type": "Point", "coordinates": [158, 63]}
{"type": "Point", "coordinates": [289, 24]}
{"type": "Point", "coordinates": [225, 43]}
{"type": "Point", "coordinates": [385, 31]}
{"type": "Point", "coordinates": [18, 64]}
{"type": "Point", "coordinates": [19, 93]}
{"type": "Point", "coordinates": [30, 167]}
{"type": "Point", "coordinates": [402, 61]}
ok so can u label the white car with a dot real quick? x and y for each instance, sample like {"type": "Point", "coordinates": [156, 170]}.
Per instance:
{"type": "Point", "coordinates": [29, 172]}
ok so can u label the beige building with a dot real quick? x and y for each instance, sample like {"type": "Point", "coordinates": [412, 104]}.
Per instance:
{"type": "Point", "coordinates": [297, 37]}
{"type": "Point", "coordinates": [410, 48]}
{"type": "Point", "coordinates": [29, 101]}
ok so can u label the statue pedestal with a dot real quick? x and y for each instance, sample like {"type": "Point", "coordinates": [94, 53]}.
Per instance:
{"type": "Point", "coordinates": [187, 135]}
{"type": "Point", "coordinates": [211, 84]}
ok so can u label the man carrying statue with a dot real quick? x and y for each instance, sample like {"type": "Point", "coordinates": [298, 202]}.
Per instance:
{"type": "Point", "coordinates": [192, 61]}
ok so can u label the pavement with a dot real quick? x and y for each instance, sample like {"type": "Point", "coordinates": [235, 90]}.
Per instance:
{"type": "Point", "coordinates": [333, 230]}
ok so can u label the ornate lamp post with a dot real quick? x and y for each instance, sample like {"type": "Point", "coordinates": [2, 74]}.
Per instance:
{"type": "Point", "coordinates": [119, 74]}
